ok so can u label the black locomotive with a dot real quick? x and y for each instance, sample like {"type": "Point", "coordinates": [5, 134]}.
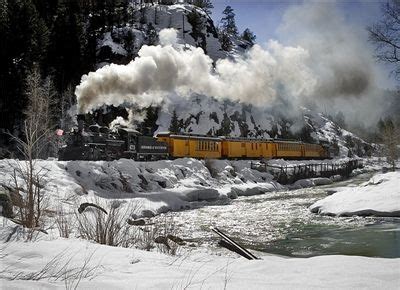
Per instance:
{"type": "Point", "coordinates": [100, 143]}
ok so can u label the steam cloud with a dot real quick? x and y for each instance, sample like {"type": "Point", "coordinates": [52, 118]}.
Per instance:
{"type": "Point", "coordinates": [169, 68]}
{"type": "Point", "coordinates": [326, 62]}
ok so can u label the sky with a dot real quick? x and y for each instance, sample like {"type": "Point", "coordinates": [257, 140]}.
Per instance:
{"type": "Point", "coordinates": [263, 17]}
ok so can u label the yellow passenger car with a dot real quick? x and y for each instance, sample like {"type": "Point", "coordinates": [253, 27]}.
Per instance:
{"type": "Point", "coordinates": [192, 145]}
{"type": "Point", "coordinates": [237, 148]}
{"type": "Point", "coordinates": [198, 146]}
{"type": "Point", "coordinates": [289, 150]}
{"type": "Point", "coordinates": [314, 151]}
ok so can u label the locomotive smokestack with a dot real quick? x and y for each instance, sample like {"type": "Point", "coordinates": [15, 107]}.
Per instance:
{"type": "Point", "coordinates": [81, 122]}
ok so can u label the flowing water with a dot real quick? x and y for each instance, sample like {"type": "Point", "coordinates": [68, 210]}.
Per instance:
{"type": "Point", "coordinates": [280, 223]}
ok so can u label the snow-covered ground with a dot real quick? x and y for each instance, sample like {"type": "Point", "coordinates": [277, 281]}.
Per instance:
{"type": "Point", "coordinates": [380, 196]}
{"type": "Point", "coordinates": [156, 187]}
{"type": "Point", "coordinates": [71, 262]}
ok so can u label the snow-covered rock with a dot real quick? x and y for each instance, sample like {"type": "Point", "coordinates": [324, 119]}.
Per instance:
{"type": "Point", "coordinates": [310, 182]}
{"type": "Point", "coordinates": [380, 196]}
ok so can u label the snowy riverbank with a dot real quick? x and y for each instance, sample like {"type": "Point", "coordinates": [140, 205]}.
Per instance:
{"type": "Point", "coordinates": [380, 196]}
{"type": "Point", "coordinates": [156, 187]}
{"type": "Point", "coordinates": [122, 268]}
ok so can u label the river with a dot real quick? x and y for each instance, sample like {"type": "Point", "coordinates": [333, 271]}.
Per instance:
{"type": "Point", "coordinates": [280, 223]}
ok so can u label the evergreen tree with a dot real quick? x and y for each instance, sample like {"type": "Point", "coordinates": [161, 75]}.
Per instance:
{"type": "Point", "coordinates": [305, 134]}
{"type": "Point", "coordinates": [226, 43]}
{"type": "Point", "coordinates": [65, 55]}
{"type": "Point", "coordinates": [225, 129]}
{"type": "Point", "coordinates": [335, 147]}
{"type": "Point", "coordinates": [228, 21]}
{"type": "Point", "coordinates": [24, 44]}
{"type": "Point", "coordinates": [150, 122]}
{"type": "Point", "coordinates": [206, 5]}
{"type": "Point", "coordinates": [151, 34]}
{"type": "Point", "coordinates": [174, 127]}
{"type": "Point", "coordinates": [249, 36]}
{"type": "Point", "coordinates": [197, 22]}
{"type": "Point", "coordinates": [130, 43]}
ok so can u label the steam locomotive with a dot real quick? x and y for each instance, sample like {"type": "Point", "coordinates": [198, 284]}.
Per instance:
{"type": "Point", "coordinates": [99, 143]}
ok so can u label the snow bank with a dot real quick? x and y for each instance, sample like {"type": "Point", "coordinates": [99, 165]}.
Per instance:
{"type": "Point", "coordinates": [122, 268]}
{"type": "Point", "coordinates": [157, 187]}
{"type": "Point", "coordinates": [380, 196]}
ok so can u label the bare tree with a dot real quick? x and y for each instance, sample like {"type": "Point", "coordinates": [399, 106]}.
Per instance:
{"type": "Point", "coordinates": [386, 35]}
{"type": "Point", "coordinates": [390, 137]}
{"type": "Point", "coordinates": [68, 100]}
{"type": "Point", "coordinates": [28, 177]}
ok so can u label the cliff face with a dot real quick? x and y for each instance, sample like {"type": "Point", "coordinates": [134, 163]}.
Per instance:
{"type": "Point", "coordinates": [194, 26]}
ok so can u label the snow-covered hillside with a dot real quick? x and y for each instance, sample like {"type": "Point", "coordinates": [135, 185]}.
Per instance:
{"type": "Point", "coordinates": [204, 115]}
{"type": "Point", "coordinates": [137, 32]}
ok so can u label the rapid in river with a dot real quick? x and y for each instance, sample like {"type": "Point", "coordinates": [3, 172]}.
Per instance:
{"type": "Point", "coordinates": [280, 223]}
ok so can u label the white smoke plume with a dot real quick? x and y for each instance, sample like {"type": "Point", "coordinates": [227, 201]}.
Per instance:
{"type": "Point", "coordinates": [325, 61]}
{"type": "Point", "coordinates": [170, 68]}
{"type": "Point", "coordinates": [347, 75]}
{"type": "Point", "coordinates": [134, 118]}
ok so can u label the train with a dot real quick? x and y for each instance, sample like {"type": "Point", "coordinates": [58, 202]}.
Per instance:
{"type": "Point", "coordinates": [100, 143]}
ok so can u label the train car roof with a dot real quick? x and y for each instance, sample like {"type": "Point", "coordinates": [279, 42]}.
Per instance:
{"type": "Point", "coordinates": [241, 139]}
{"type": "Point", "coordinates": [188, 136]}
{"type": "Point", "coordinates": [232, 139]}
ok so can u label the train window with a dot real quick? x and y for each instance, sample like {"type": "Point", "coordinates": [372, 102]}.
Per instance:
{"type": "Point", "coordinates": [216, 147]}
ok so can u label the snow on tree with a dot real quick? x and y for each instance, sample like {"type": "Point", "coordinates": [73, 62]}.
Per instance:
{"type": "Point", "coordinates": [206, 5]}
{"type": "Point", "coordinates": [228, 22]}
{"type": "Point", "coordinates": [175, 126]}
{"type": "Point", "coordinates": [249, 36]}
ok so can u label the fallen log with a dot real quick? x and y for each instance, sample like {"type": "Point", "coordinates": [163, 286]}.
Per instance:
{"type": "Point", "coordinates": [85, 205]}
{"type": "Point", "coordinates": [231, 245]}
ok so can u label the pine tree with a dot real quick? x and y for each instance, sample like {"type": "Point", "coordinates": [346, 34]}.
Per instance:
{"type": "Point", "coordinates": [226, 43]}
{"type": "Point", "coordinates": [152, 35]}
{"type": "Point", "coordinates": [305, 134]}
{"type": "Point", "coordinates": [174, 127]}
{"type": "Point", "coordinates": [228, 21]}
{"type": "Point", "coordinates": [206, 5]}
{"type": "Point", "coordinates": [225, 129]}
{"type": "Point", "coordinates": [335, 147]}
{"type": "Point", "coordinates": [66, 49]}
{"type": "Point", "coordinates": [249, 36]}
{"type": "Point", "coordinates": [198, 25]}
